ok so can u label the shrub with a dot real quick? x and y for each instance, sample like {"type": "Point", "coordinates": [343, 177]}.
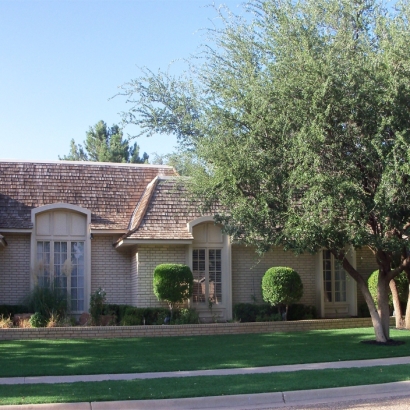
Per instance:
{"type": "Point", "coordinates": [281, 286]}
{"type": "Point", "coordinates": [47, 301]}
{"type": "Point", "coordinates": [5, 322]}
{"type": "Point", "coordinates": [139, 316]}
{"type": "Point", "coordinates": [402, 288]}
{"type": "Point", "coordinates": [37, 320]}
{"type": "Point", "coordinates": [299, 311]}
{"type": "Point", "coordinates": [97, 301]}
{"type": "Point", "coordinates": [186, 317]}
{"type": "Point", "coordinates": [250, 312]}
{"type": "Point", "coordinates": [173, 283]}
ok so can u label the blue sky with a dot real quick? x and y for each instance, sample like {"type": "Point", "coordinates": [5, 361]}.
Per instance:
{"type": "Point", "coordinates": [62, 60]}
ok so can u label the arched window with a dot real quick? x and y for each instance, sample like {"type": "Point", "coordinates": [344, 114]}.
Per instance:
{"type": "Point", "coordinates": [60, 247]}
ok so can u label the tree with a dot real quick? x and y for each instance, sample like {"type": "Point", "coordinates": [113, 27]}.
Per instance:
{"type": "Point", "coordinates": [301, 121]}
{"type": "Point", "coordinates": [105, 144]}
{"type": "Point", "coordinates": [173, 283]}
{"type": "Point", "coordinates": [282, 286]}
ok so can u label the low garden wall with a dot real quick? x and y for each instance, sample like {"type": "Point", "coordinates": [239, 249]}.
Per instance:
{"type": "Point", "coordinates": [92, 332]}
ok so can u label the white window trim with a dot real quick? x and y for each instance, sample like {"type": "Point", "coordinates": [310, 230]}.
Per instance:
{"type": "Point", "coordinates": [87, 243]}
{"type": "Point", "coordinates": [226, 262]}
{"type": "Point", "coordinates": [351, 286]}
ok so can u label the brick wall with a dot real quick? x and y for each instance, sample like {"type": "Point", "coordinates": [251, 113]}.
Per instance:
{"type": "Point", "coordinates": [149, 256]}
{"type": "Point", "coordinates": [181, 330]}
{"type": "Point", "coordinates": [111, 269]}
{"type": "Point", "coordinates": [248, 269]}
{"type": "Point", "coordinates": [15, 269]}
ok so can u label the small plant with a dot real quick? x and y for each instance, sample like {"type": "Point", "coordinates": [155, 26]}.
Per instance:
{"type": "Point", "coordinates": [48, 301]}
{"type": "Point", "coordinates": [37, 320]}
{"type": "Point", "coordinates": [173, 284]}
{"type": "Point", "coordinates": [97, 302]}
{"type": "Point", "coordinates": [53, 320]}
{"type": "Point", "coordinates": [5, 322]}
{"type": "Point", "coordinates": [282, 286]}
{"type": "Point", "coordinates": [187, 317]}
{"type": "Point", "coordinates": [25, 324]}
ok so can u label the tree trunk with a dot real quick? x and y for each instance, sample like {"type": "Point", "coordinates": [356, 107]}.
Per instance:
{"type": "Point", "coordinates": [379, 329]}
{"type": "Point", "coordinates": [407, 318]}
{"type": "Point", "coordinates": [380, 320]}
{"type": "Point", "coordinates": [396, 304]}
{"type": "Point", "coordinates": [383, 304]}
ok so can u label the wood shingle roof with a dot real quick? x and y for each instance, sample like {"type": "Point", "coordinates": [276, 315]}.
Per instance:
{"type": "Point", "coordinates": [110, 191]}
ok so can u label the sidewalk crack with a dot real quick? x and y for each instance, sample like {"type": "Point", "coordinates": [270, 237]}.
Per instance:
{"type": "Point", "coordinates": [283, 397]}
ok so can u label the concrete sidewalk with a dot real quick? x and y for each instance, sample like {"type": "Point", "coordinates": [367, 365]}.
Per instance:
{"type": "Point", "coordinates": [217, 372]}
{"type": "Point", "coordinates": [280, 400]}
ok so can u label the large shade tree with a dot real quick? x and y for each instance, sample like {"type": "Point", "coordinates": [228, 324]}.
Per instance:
{"type": "Point", "coordinates": [300, 117]}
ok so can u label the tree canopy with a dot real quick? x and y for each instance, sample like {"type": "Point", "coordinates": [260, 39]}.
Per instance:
{"type": "Point", "coordinates": [105, 144]}
{"type": "Point", "coordinates": [300, 118]}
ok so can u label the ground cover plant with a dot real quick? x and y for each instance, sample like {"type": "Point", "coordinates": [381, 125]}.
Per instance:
{"type": "Point", "coordinates": [100, 356]}
{"type": "Point", "coordinates": [199, 386]}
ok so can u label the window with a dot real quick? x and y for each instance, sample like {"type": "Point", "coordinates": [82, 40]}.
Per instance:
{"type": "Point", "coordinates": [207, 271]}
{"type": "Point", "coordinates": [60, 252]}
{"type": "Point", "coordinates": [61, 264]}
{"type": "Point", "coordinates": [334, 279]}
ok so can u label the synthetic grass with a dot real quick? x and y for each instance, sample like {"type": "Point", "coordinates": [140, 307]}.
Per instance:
{"type": "Point", "coordinates": [199, 386]}
{"type": "Point", "coordinates": [100, 356]}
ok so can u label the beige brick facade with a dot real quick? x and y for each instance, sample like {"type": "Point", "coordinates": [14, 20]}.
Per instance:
{"type": "Point", "coordinates": [111, 269]}
{"type": "Point", "coordinates": [248, 269]}
{"type": "Point", "coordinates": [145, 259]}
{"type": "Point", "coordinates": [15, 269]}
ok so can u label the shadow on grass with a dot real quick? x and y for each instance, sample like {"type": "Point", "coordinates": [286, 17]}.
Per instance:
{"type": "Point", "coordinates": [100, 356]}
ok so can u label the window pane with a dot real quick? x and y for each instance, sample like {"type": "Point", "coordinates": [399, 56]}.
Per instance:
{"type": "Point", "coordinates": [77, 276]}
{"type": "Point", "coordinates": [198, 263]}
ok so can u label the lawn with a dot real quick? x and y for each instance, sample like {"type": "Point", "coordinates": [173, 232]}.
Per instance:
{"type": "Point", "coordinates": [99, 356]}
{"type": "Point", "coordinates": [199, 386]}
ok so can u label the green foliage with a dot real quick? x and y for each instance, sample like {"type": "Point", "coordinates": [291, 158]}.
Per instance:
{"type": "Point", "coordinates": [133, 316]}
{"type": "Point", "coordinates": [299, 119]}
{"type": "Point", "coordinates": [47, 301]}
{"type": "Point", "coordinates": [173, 283]}
{"type": "Point", "coordinates": [105, 144]}
{"type": "Point", "coordinates": [298, 311]}
{"type": "Point", "coordinates": [97, 302]}
{"type": "Point", "coordinates": [401, 283]}
{"type": "Point", "coordinates": [281, 286]}
{"type": "Point", "coordinates": [250, 312]}
{"type": "Point", "coordinates": [186, 316]}
{"type": "Point", "coordinates": [37, 320]}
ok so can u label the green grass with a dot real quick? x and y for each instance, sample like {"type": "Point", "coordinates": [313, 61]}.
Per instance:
{"type": "Point", "coordinates": [199, 386]}
{"type": "Point", "coordinates": [99, 356]}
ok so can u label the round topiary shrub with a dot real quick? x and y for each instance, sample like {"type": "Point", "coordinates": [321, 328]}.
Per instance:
{"type": "Point", "coordinates": [282, 286]}
{"type": "Point", "coordinates": [173, 283]}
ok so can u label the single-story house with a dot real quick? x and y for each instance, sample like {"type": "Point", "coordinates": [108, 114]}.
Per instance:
{"type": "Point", "coordinates": [87, 225]}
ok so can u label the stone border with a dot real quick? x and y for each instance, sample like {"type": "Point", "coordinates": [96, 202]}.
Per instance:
{"type": "Point", "coordinates": [81, 332]}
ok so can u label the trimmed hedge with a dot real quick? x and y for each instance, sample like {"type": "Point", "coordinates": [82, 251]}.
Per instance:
{"type": "Point", "coordinates": [250, 312]}
{"type": "Point", "coordinates": [11, 310]}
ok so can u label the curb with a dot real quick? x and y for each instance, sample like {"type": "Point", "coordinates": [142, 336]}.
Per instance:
{"type": "Point", "coordinates": [240, 402]}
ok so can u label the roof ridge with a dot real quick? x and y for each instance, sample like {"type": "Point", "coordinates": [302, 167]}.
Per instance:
{"type": "Point", "coordinates": [141, 209]}
{"type": "Point", "coordinates": [86, 163]}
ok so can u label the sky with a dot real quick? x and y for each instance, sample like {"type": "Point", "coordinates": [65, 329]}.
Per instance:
{"type": "Point", "coordinates": [62, 61]}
